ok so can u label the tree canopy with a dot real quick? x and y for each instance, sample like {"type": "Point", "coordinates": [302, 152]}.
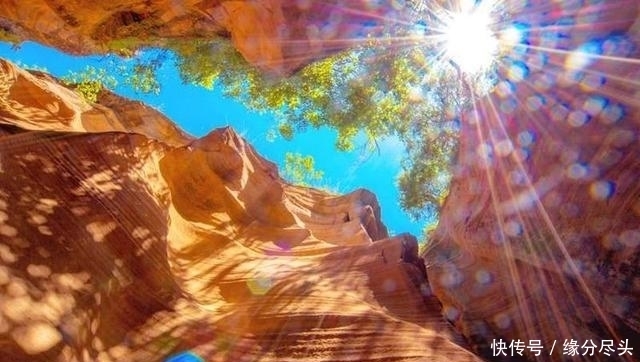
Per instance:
{"type": "Point", "coordinates": [139, 76]}
{"type": "Point", "coordinates": [369, 90]}
{"type": "Point", "coordinates": [300, 169]}
{"type": "Point", "coordinates": [90, 81]}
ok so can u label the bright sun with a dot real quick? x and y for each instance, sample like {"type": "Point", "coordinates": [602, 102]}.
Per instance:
{"type": "Point", "coordinates": [469, 41]}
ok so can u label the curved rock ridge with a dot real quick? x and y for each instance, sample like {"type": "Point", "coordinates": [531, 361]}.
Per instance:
{"type": "Point", "coordinates": [33, 100]}
{"type": "Point", "coordinates": [139, 244]}
{"type": "Point", "coordinates": [278, 36]}
{"type": "Point", "coordinates": [539, 238]}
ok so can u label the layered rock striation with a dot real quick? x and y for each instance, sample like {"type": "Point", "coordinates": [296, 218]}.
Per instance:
{"type": "Point", "coordinates": [128, 240]}
{"type": "Point", "coordinates": [122, 239]}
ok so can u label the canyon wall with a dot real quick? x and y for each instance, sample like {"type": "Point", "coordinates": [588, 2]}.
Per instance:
{"type": "Point", "coordinates": [123, 239]}
{"type": "Point", "coordinates": [539, 238]}
{"type": "Point", "coordinates": [278, 36]}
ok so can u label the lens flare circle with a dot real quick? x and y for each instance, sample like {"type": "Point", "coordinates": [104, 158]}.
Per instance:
{"type": "Point", "coordinates": [469, 41]}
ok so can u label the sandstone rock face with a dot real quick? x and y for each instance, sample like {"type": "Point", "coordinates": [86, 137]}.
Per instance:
{"type": "Point", "coordinates": [539, 238]}
{"type": "Point", "coordinates": [122, 239]}
{"type": "Point", "coordinates": [35, 101]}
{"type": "Point", "coordinates": [128, 240]}
{"type": "Point", "coordinates": [278, 36]}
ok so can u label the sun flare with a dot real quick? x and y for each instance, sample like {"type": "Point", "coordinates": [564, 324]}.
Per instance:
{"type": "Point", "coordinates": [469, 41]}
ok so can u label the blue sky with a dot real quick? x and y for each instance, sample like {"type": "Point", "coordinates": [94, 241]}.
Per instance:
{"type": "Point", "coordinates": [198, 111]}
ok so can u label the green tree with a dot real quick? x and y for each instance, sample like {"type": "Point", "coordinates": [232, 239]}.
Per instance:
{"type": "Point", "coordinates": [431, 140]}
{"type": "Point", "coordinates": [367, 90]}
{"type": "Point", "coordinates": [300, 170]}
{"type": "Point", "coordinates": [408, 93]}
{"type": "Point", "coordinates": [90, 81]}
{"type": "Point", "coordinates": [141, 76]}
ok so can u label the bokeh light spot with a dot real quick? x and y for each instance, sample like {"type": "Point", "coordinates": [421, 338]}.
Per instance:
{"type": "Point", "coordinates": [582, 56]}
{"type": "Point", "coordinates": [592, 82]}
{"type": "Point", "coordinates": [451, 278]}
{"type": "Point", "coordinates": [522, 154]}
{"type": "Point", "coordinates": [504, 148]}
{"type": "Point", "coordinates": [513, 35]}
{"type": "Point", "coordinates": [612, 114]}
{"type": "Point", "coordinates": [594, 105]}
{"type": "Point", "coordinates": [451, 313]}
{"type": "Point", "coordinates": [485, 151]}
{"type": "Point", "coordinates": [535, 102]}
{"type": "Point", "coordinates": [508, 106]}
{"type": "Point", "coordinates": [525, 138]}
{"type": "Point", "coordinates": [483, 277]}
{"type": "Point", "coordinates": [577, 118]}
{"type": "Point", "coordinates": [517, 177]}
{"type": "Point", "coordinates": [577, 171]}
{"type": "Point", "coordinates": [505, 89]}
{"type": "Point", "coordinates": [602, 190]}
{"type": "Point", "coordinates": [518, 71]}
{"type": "Point", "coordinates": [543, 83]}
{"type": "Point", "coordinates": [502, 321]}
{"type": "Point", "coordinates": [513, 228]}
{"type": "Point", "coordinates": [559, 112]}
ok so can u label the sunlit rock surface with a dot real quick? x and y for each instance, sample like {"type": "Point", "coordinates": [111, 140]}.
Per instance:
{"type": "Point", "coordinates": [278, 36]}
{"type": "Point", "coordinates": [36, 101]}
{"type": "Point", "coordinates": [121, 239]}
{"type": "Point", "coordinates": [539, 238]}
